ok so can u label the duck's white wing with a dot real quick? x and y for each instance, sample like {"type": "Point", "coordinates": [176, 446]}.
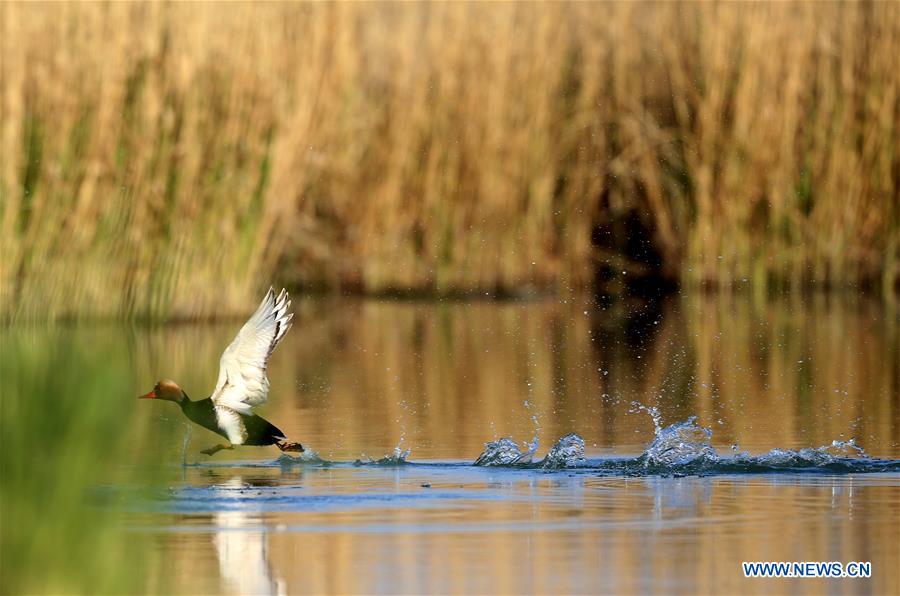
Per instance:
{"type": "Point", "coordinates": [242, 380]}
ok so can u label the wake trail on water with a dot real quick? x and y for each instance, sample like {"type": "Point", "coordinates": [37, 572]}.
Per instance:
{"type": "Point", "coordinates": [679, 449]}
{"type": "Point", "coordinates": [684, 448]}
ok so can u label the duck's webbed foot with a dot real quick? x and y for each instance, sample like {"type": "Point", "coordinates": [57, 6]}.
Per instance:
{"type": "Point", "coordinates": [216, 449]}
{"type": "Point", "coordinates": [286, 445]}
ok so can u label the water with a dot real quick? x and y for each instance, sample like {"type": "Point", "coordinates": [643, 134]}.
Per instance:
{"type": "Point", "coordinates": [473, 447]}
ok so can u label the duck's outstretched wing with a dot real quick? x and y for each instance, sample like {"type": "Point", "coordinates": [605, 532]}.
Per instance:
{"type": "Point", "coordinates": [242, 380]}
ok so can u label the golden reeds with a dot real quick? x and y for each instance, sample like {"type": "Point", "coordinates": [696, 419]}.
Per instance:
{"type": "Point", "coordinates": [170, 159]}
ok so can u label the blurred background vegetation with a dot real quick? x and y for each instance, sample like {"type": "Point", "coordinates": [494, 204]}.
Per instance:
{"type": "Point", "coordinates": [69, 436]}
{"type": "Point", "coordinates": [169, 159]}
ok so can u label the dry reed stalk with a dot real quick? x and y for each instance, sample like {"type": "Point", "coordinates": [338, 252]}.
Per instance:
{"type": "Point", "coordinates": [170, 159]}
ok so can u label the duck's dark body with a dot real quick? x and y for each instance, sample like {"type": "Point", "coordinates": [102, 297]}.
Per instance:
{"type": "Point", "coordinates": [242, 382]}
{"type": "Point", "coordinates": [259, 430]}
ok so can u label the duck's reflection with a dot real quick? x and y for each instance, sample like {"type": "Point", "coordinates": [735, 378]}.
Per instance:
{"type": "Point", "coordinates": [242, 549]}
{"type": "Point", "coordinates": [679, 497]}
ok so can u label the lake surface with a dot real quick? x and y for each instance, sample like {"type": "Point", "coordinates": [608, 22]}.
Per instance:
{"type": "Point", "coordinates": [395, 401]}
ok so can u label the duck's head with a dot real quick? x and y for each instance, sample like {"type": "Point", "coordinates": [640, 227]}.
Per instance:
{"type": "Point", "coordinates": [165, 389]}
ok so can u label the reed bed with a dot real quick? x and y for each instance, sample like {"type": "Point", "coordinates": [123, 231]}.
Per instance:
{"type": "Point", "coordinates": [169, 159]}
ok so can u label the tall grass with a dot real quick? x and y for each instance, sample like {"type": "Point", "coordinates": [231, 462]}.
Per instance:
{"type": "Point", "coordinates": [169, 159]}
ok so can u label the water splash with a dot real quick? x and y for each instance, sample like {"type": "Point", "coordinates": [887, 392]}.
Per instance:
{"type": "Point", "coordinates": [684, 448]}
{"type": "Point", "coordinates": [839, 452]}
{"type": "Point", "coordinates": [505, 452]}
{"type": "Point", "coordinates": [567, 453]}
{"type": "Point", "coordinates": [845, 448]}
{"type": "Point", "coordinates": [400, 455]}
{"type": "Point", "coordinates": [637, 406]}
{"type": "Point", "coordinates": [532, 447]}
{"type": "Point", "coordinates": [398, 458]}
{"type": "Point", "coordinates": [184, 445]}
{"type": "Point", "coordinates": [680, 444]}
{"type": "Point", "coordinates": [306, 457]}
{"type": "Point", "coordinates": [680, 449]}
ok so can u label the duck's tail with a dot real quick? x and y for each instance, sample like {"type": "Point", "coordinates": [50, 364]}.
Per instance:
{"type": "Point", "coordinates": [286, 445]}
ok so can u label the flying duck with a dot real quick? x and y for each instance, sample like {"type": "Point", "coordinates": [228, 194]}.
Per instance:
{"type": "Point", "coordinates": [242, 383]}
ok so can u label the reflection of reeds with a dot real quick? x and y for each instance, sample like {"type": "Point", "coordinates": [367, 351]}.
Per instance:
{"type": "Point", "coordinates": [168, 158]}
{"type": "Point", "coordinates": [67, 467]}
{"type": "Point", "coordinates": [353, 377]}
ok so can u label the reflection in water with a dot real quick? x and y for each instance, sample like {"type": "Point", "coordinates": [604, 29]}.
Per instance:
{"type": "Point", "coordinates": [371, 529]}
{"type": "Point", "coordinates": [243, 554]}
{"type": "Point", "coordinates": [683, 497]}
{"type": "Point", "coordinates": [359, 376]}
{"type": "Point", "coordinates": [356, 377]}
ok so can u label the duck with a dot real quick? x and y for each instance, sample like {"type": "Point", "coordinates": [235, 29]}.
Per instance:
{"type": "Point", "coordinates": [242, 383]}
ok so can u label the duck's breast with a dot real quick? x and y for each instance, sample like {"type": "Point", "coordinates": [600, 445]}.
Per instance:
{"type": "Point", "coordinates": [231, 424]}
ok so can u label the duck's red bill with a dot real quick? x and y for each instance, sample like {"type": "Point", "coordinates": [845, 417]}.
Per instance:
{"type": "Point", "coordinates": [150, 395]}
